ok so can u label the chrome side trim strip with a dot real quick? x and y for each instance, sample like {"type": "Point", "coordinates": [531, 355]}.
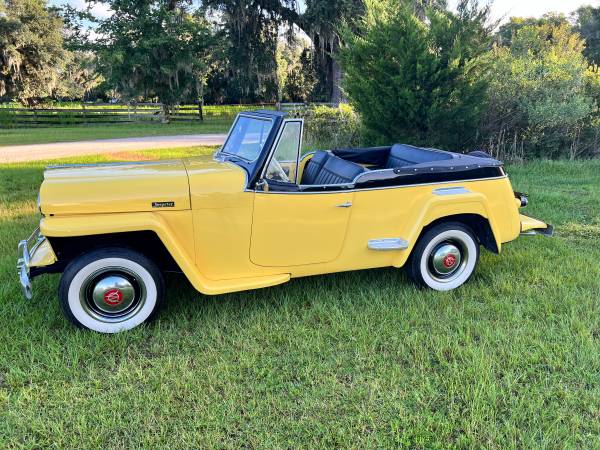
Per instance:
{"type": "Point", "coordinates": [353, 189]}
{"type": "Point", "coordinates": [451, 191]}
{"type": "Point", "coordinates": [388, 244]}
{"type": "Point", "coordinates": [112, 164]}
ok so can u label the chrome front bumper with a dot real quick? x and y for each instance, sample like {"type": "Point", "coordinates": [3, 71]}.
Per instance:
{"type": "Point", "coordinates": [26, 248]}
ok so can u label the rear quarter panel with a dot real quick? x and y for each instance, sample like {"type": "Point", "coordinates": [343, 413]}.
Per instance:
{"type": "Point", "coordinates": [403, 212]}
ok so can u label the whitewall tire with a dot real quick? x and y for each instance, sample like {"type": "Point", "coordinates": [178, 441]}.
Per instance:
{"type": "Point", "coordinates": [445, 257]}
{"type": "Point", "coordinates": [111, 290]}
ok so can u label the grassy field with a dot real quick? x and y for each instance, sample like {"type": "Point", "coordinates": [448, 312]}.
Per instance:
{"type": "Point", "coordinates": [16, 136]}
{"type": "Point", "coordinates": [362, 359]}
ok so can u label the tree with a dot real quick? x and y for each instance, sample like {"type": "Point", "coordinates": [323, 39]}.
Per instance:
{"type": "Point", "coordinates": [507, 31]}
{"type": "Point", "coordinates": [154, 48]}
{"type": "Point", "coordinates": [252, 28]}
{"type": "Point", "coordinates": [587, 19]}
{"type": "Point", "coordinates": [31, 52]}
{"type": "Point", "coordinates": [418, 81]}
{"type": "Point", "coordinates": [302, 78]}
{"type": "Point", "coordinates": [323, 20]}
{"type": "Point", "coordinates": [295, 71]}
{"type": "Point", "coordinates": [538, 90]}
{"type": "Point", "coordinates": [78, 77]}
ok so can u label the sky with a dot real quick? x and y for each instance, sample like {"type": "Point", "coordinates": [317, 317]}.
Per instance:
{"type": "Point", "coordinates": [504, 9]}
{"type": "Point", "coordinates": [501, 9]}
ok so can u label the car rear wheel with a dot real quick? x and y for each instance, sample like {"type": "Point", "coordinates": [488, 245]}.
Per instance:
{"type": "Point", "coordinates": [111, 290]}
{"type": "Point", "coordinates": [445, 257]}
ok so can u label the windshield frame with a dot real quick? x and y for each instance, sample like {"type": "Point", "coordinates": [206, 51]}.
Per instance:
{"type": "Point", "coordinates": [273, 149]}
{"type": "Point", "coordinates": [230, 135]}
{"type": "Point", "coordinates": [253, 168]}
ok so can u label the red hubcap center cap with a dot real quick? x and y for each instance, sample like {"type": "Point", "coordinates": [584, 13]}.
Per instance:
{"type": "Point", "coordinates": [449, 261]}
{"type": "Point", "coordinates": [113, 297]}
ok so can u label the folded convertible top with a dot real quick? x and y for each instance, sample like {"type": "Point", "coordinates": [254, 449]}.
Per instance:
{"type": "Point", "coordinates": [403, 156]}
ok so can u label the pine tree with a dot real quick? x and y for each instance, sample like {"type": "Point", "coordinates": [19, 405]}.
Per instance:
{"type": "Point", "coordinates": [418, 81]}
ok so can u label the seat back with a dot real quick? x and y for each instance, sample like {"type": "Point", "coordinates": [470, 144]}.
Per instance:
{"type": "Point", "coordinates": [338, 171]}
{"type": "Point", "coordinates": [405, 155]}
{"type": "Point", "coordinates": [313, 167]}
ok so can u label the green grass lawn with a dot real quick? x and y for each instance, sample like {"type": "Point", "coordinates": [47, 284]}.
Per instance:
{"type": "Point", "coordinates": [353, 360]}
{"type": "Point", "coordinates": [16, 136]}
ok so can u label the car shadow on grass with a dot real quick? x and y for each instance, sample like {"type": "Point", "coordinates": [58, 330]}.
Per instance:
{"type": "Point", "coordinates": [349, 292]}
{"type": "Point", "coordinates": [343, 287]}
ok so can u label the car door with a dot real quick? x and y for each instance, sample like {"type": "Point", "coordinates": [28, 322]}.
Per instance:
{"type": "Point", "coordinates": [295, 228]}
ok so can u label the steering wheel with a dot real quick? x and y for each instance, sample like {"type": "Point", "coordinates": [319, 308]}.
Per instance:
{"type": "Point", "coordinates": [276, 172]}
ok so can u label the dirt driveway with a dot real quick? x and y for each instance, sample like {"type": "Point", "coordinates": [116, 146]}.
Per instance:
{"type": "Point", "coordinates": [36, 152]}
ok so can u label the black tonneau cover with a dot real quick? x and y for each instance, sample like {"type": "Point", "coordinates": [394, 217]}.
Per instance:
{"type": "Point", "coordinates": [453, 167]}
{"type": "Point", "coordinates": [378, 156]}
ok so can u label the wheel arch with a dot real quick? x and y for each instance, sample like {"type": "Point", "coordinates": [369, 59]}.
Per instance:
{"type": "Point", "coordinates": [169, 236]}
{"type": "Point", "coordinates": [145, 242]}
{"type": "Point", "coordinates": [470, 209]}
{"type": "Point", "coordinates": [480, 225]}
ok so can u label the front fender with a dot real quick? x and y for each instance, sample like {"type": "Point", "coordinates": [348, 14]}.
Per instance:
{"type": "Point", "coordinates": [173, 228]}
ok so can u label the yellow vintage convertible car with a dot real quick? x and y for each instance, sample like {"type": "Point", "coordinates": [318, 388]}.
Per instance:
{"type": "Point", "coordinates": [258, 212]}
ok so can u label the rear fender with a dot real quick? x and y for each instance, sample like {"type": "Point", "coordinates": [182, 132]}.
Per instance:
{"type": "Point", "coordinates": [441, 207]}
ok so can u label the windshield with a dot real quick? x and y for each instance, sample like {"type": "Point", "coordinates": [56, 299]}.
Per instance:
{"type": "Point", "coordinates": [247, 137]}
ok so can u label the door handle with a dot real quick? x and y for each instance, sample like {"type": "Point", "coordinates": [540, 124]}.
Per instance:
{"type": "Point", "coordinates": [344, 205]}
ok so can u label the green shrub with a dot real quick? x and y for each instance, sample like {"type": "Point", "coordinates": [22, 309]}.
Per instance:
{"type": "Point", "coordinates": [6, 118]}
{"type": "Point", "coordinates": [417, 80]}
{"type": "Point", "coordinates": [328, 127]}
{"type": "Point", "coordinates": [541, 95]}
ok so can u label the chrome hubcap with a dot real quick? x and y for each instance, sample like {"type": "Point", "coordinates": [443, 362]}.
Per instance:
{"type": "Point", "coordinates": [112, 294]}
{"type": "Point", "coordinates": [447, 260]}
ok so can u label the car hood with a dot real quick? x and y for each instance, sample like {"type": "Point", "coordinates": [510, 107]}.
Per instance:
{"type": "Point", "coordinates": [115, 187]}
{"type": "Point", "coordinates": [140, 186]}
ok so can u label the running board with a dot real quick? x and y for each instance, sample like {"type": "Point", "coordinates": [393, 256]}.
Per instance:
{"type": "Point", "coordinates": [388, 244]}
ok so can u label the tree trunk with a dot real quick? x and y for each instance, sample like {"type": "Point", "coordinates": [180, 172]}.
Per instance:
{"type": "Point", "coordinates": [336, 80]}
{"type": "Point", "coordinates": [332, 69]}
{"type": "Point", "coordinates": [165, 113]}
{"type": "Point", "coordinates": [200, 89]}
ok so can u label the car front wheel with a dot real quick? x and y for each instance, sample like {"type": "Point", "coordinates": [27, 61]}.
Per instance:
{"type": "Point", "coordinates": [111, 290]}
{"type": "Point", "coordinates": [445, 257]}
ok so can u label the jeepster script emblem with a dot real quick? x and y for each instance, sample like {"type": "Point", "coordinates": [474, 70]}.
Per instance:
{"type": "Point", "coordinates": [163, 204]}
